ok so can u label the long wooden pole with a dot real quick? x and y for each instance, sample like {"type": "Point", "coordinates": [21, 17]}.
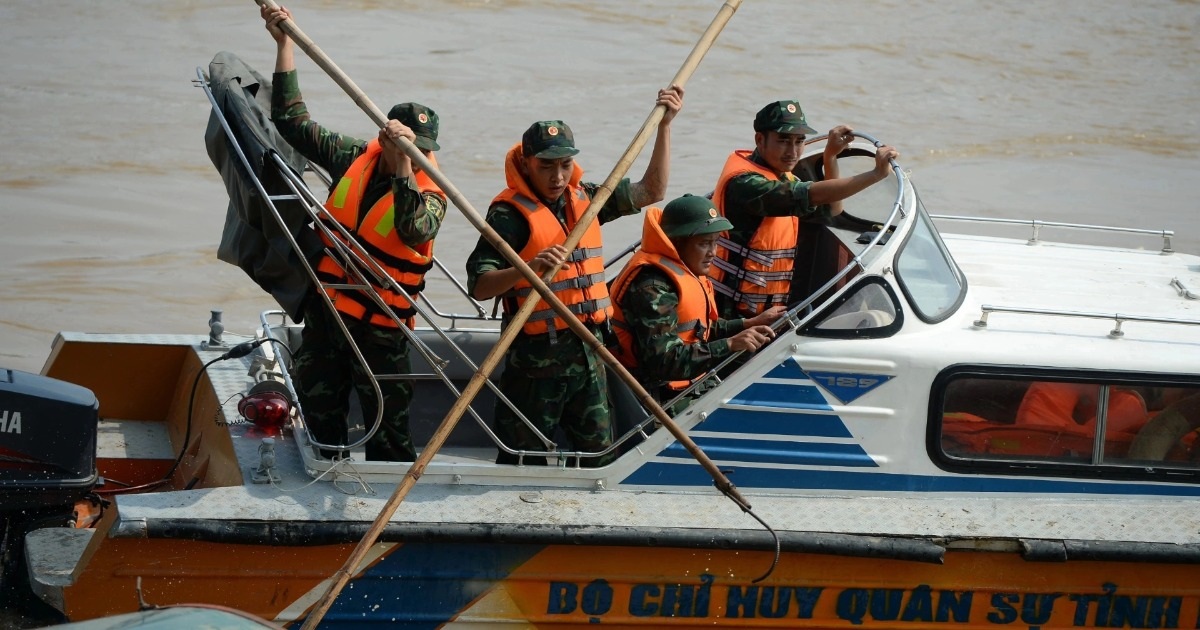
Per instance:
{"type": "Point", "coordinates": [342, 576]}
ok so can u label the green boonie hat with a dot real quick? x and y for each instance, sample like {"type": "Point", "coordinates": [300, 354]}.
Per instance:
{"type": "Point", "coordinates": [422, 120]}
{"type": "Point", "coordinates": [549, 140]}
{"type": "Point", "coordinates": [690, 215]}
{"type": "Point", "coordinates": [783, 117]}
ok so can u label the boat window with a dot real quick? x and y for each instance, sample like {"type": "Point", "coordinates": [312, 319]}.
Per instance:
{"type": "Point", "coordinates": [874, 203]}
{"type": "Point", "coordinates": [869, 310]}
{"type": "Point", "coordinates": [1118, 427]}
{"type": "Point", "coordinates": [927, 274]}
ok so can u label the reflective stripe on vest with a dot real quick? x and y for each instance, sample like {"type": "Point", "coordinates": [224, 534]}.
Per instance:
{"type": "Point", "coordinates": [579, 283]}
{"type": "Point", "coordinates": [375, 230]}
{"type": "Point", "coordinates": [573, 283]}
{"type": "Point", "coordinates": [696, 311]}
{"type": "Point", "coordinates": [757, 274]}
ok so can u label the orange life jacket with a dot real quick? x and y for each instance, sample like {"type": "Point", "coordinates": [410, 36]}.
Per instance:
{"type": "Point", "coordinates": [697, 303]}
{"type": "Point", "coordinates": [579, 283]}
{"type": "Point", "coordinates": [756, 275]}
{"type": "Point", "coordinates": [375, 230]}
{"type": "Point", "coordinates": [1056, 405]}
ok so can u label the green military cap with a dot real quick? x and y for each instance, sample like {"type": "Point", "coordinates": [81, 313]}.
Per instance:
{"type": "Point", "coordinates": [783, 117]}
{"type": "Point", "coordinates": [549, 140]}
{"type": "Point", "coordinates": [422, 120]}
{"type": "Point", "coordinates": [690, 215]}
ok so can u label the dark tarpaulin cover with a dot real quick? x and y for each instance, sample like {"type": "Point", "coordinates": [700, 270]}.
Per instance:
{"type": "Point", "coordinates": [252, 239]}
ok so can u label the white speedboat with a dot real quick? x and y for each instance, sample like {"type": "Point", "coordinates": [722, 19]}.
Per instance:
{"type": "Point", "coordinates": [950, 429]}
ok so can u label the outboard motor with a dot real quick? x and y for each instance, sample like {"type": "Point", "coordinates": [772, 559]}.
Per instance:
{"type": "Point", "coordinates": [47, 456]}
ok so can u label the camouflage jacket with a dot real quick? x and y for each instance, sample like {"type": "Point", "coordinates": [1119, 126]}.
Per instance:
{"type": "Point", "coordinates": [418, 216]}
{"type": "Point", "coordinates": [650, 306]}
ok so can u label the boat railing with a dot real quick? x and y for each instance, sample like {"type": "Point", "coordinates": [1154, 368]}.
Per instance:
{"type": "Point", "coordinates": [481, 313]}
{"type": "Point", "coordinates": [361, 270]}
{"type": "Point", "coordinates": [358, 262]}
{"type": "Point", "coordinates": [1036, 226]}
{"type": "Point", "coordinates": [1184, 290]}
{"type": "Point", "coordinates": [800, 313]}
{"type": "Point", "coordinates": [353, 256]}
{"type": "Point", "coordinates": [316, 207]}
{"type": "Point", "coordinates": [1117, 318]}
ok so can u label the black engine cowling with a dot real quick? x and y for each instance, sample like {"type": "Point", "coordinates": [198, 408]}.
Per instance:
{"type": "Point", "coordinates": [47, 462]}
{"type": "Point", "coordinates": [47, 441]}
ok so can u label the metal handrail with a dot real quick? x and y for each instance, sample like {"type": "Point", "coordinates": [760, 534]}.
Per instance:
{"type": "Point", "coordinates": [360, 264]}
{"type": "Point", "coordinates": [481, 313]}
{"type": "Point", "coordinates": [1184, 290]}
{"type": "Point", "coordinates": [799, 315]}
{"type": "Point", "coordinates": [1118, 318]}
{"type": "Point", "coordinates": [629, 249]}
{"type": "Point", "coordinates": [352, 253]}
{"type": "Point", "coordinates": [306, 195]}
{"type": "Point", "coordinates": [454, 317]}
{"type": "Point", "coordinates": [1037, 225]}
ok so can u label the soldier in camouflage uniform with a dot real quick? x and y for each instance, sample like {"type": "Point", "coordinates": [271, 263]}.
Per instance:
{"type": "Point", "coordinates": [551, 375]}
{"type": "Point", "coordinates": [325, 367]}
{"type": "Point", "coordinates": [677, 250]}
{"type": "Point", "coordinates": [760, 185]}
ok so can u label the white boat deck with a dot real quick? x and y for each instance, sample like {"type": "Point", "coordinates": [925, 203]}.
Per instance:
{"type": "Point", "coordinates": [982, 518]}
{"type": "Point", "coordinates": [1133, 282]}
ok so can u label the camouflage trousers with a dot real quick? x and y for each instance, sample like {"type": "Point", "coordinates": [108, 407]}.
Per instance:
{"type": "Point", "coordinates": [663, 395]}
{"type": "Point", "coordinates": [574, 399]}
{"type": "Point", "coordinates": [325, 369]}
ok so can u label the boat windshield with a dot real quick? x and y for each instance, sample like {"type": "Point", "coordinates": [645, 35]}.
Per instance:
{"type": "Point", "coordinates": [928, 275]}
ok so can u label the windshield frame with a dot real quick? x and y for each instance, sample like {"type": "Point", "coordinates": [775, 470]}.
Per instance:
{"type": "Point", "coordinates": [922, 225]}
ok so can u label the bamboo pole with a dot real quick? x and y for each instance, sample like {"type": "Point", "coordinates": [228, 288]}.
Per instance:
{"type": "Point", "coordinates": [342, 576]}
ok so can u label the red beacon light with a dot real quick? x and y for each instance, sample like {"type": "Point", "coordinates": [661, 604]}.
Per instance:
{"type": "Point", "coordinates": [268, 405]}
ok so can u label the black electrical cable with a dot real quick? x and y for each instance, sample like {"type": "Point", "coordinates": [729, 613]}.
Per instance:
{"type": "Point", "coordinates": [236, 352]}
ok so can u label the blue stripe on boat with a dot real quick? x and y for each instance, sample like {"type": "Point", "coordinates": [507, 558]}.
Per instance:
{"type": "Point", "coordinates": [774, 423]}
{"type": "Point", "coordinates": [672, 474]}
{"type": "Point", "coordinates": [785, 395]}
{"type": "Point", "coordinates": [787, 369]}
{"type": "Point", "coordinates": [776, 452]}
